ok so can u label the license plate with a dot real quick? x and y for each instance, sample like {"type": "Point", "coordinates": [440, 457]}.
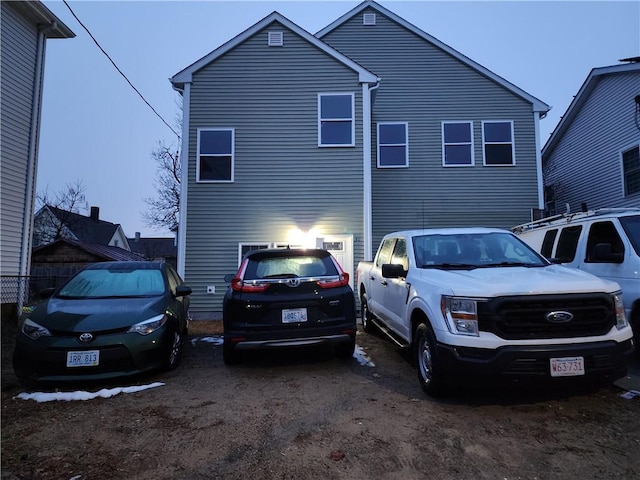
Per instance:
{"type": "Point", "coordinates": [567, 366]}
{"type": "Point", "coordinates": [294, 315]}
{"type": "Point", "coordinates": [88, 358]}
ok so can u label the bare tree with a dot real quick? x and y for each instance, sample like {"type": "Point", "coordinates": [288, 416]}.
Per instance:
{"type": "Point", "coordinates": [164, 208]}
{"type": "Point", "coordinates": [49, 227]}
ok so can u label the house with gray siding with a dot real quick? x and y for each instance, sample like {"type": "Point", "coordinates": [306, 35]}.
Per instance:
{"type": "Point", "coordinates": [26, 26]}
{"type": "Point", "coordinates": [335, 139]}
{"type": "Point", "coordinates": [592, 158]}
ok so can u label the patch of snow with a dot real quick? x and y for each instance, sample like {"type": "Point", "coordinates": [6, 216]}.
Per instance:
{"type": "Point", "coordinates": [81, 395]}
{"type": "Point", "coordinates": [215, 339]}
{"type": "Point", "coordinates": [362, 357]}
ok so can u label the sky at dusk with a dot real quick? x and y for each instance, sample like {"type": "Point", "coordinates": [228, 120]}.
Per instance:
{"type": "Point", "coordinates": [96, 129]}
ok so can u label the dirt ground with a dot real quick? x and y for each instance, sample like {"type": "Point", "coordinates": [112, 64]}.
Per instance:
{"type": "Point", "coordinates": [308, 415]}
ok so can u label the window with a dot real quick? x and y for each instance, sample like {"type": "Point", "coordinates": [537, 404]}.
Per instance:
{"type": "Point", "coordinates": [384, 253]}
{"type": "Point", "coordinates": [335, 120]}
{"type": "Point", "coordinates": [393, 148]}
{"type": "Point", "coordinates": [215, 155]}
{"type": "Point", "coordinates": [399, 256]}
{"type": "Point", "coordinates": [547, 243]}
{"type": "Point", "coordinates": [244, 248]}
{"type": "Point", "coordinates": [568, 244]}
{"type": "Point", "coordinates": [497, 139]}
{"type": "Point", "coordinates": [457, 144]}
{"type": "Point", "coordinates": [603, 232]}
{"type": "Point", "coordinates": [631, 170]}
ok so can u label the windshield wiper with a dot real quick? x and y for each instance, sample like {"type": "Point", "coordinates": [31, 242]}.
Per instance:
{"type": "Point", "coordinates": [452, 266]}
{"type": "Point", "coordinates": [511, 264]}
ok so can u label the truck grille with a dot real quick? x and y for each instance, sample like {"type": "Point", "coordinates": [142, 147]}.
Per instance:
{"type": "Point", "coordinates": [525, 317]}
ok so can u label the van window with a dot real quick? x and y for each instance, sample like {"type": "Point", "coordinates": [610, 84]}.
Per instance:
{"type": "Point", "coordinates": [568, 243]}
{"type": "Point", "coordinates": [547, 243]}
{"type": "Point", "coordinates": [631, 226]}
{"type": "Point", "coordinates": [603, 232]}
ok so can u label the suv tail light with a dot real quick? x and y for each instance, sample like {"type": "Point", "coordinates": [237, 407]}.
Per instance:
{"type": "Point", "coordinates": [237, 285]}
{"type": "Point", "coordinates": [342, 281]}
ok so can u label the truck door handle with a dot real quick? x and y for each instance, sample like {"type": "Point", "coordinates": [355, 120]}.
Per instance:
{"type": "Point", "coordinates": [383, 282]}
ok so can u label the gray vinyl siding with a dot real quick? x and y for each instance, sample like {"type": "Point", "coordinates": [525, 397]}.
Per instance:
{"type": "Point", "coordinates": [585, 165]}
{"type": "Point", "coordinates": [282, 178]}
{"type": "Point", "coordinates": [423, 85]}
{"type": "Point", "coordinates": [19, 39]}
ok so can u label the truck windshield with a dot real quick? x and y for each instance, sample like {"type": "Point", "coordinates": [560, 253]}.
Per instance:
{"type": "Point", "coordinates": [631, 226]}
{"type": "Point", "coordinates": [474, 250]}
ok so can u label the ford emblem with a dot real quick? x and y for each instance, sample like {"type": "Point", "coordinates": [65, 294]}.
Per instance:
{"type": "Point", "coordinates": [559, 317]}
{"type": "Point", "coordinates": [86, 337]}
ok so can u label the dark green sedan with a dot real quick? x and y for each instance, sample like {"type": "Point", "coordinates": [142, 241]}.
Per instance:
{"type": "Point", "coordinates": [110, 320]}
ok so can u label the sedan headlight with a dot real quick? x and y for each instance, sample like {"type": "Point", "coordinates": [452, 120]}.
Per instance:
{"type": "Point", "coordinates": [461, 315]}
{"type": "Point", "coordinates": [34, 331]}
{"type": "Point", "coordinates": [621, 318]}
{"type": "Point", "coordinates": [148, 326]}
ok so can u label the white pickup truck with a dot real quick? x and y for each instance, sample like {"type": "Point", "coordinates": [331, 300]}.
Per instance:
{"type": "Point", "coordinates": [480, 304]}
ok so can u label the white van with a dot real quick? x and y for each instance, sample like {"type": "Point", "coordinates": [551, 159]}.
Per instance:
{"type": "Point", "coordinates": [604, 242]}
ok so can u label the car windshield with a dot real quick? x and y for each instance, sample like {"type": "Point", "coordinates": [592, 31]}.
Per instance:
{"type": "Point", "coordinates": [104, 283]}
{"type": "Point", "coordinates": [289, 266]}
{"type": "Point", "coordinates": [475, 250]}
{"type": "Point", "coordinates": [631, 225]}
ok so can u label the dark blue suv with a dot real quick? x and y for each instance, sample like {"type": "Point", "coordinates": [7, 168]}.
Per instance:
{"type": "Point", "coordinates": [288, 298]}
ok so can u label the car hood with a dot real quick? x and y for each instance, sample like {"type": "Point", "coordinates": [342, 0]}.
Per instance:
{"type": "Point", "coordinates": [491, 282]}
{"type": "Point", "coordinates": [90, 315]}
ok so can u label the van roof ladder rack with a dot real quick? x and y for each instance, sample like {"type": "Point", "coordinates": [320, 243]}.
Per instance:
{"type": "Point", "coordinates": [543, 222]}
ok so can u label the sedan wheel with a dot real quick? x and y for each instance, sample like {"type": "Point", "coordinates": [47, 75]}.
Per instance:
{"type": "Point", "coordinates": [175, 352]}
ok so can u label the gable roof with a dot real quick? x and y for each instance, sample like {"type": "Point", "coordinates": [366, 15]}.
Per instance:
{"type": "Point", "coordinates": [38, 14]}
{"type": "Point", "coordinates": [151, 247]}
{"type": "Point", "coordinates": [185, 76]}
{"type": "Point", "coordinates": [86, 229]}
{"type": "Point", "coordinates": [106, 252]}
{"type": "Point", "coordinates": [582, 96]}
{"type": "Point", "coordinates": [538, 105]}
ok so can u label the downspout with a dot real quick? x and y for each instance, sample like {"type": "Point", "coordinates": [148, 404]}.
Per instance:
{"type": "Point", "coordinates": [366, 167]}
{"type": "Point", "coordinates": [184, 179]}
{"type": "Point", "coordinates": [32, 165]}
{"type": "Point", "coordinates": [539, 162]}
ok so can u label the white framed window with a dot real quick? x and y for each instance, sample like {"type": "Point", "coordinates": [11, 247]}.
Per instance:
{"type": "Point", "coordinates": [631, 170]}
{"type": "Point", "coordinates": [497, 143]}
{"type": "Point", "coordinates": [216, 148]}
{"type": "Point", "coordinates": [393, 144]}
{"type": "Point", "coordinates": [457, 144]}
{"type": "Point", "coordinates": [244, 248]}
{"type": "Point", "coordinates": [336, 123]}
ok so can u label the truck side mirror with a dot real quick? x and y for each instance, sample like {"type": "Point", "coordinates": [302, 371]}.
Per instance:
{"type": "Point", "coordinates": [393, 270]}
{"type": "Point", "coordinates": [602, 253]}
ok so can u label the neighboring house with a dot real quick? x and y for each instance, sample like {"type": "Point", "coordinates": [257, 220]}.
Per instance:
{"type": "Point", "coordinates": [155, 249]}
{"type": "Point", "coordinates": [52, 223]}
{"type": "Point", "coordinates": [334, 140]}
{"type": "Point", "coordinates": [592, 158]}
{"type": "Point", "coordinates": [26, 26]}
{"type": "Point", "coordinates": [55, 262]}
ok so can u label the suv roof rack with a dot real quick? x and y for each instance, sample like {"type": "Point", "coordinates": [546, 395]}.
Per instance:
{"type": "Point", "coordinates": [567, 217]}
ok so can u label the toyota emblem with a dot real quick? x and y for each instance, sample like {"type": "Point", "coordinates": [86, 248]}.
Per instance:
{"type": "Point", "coordinates": [86, 337]}
{"type": "Point", "coordinates": [559, 317]}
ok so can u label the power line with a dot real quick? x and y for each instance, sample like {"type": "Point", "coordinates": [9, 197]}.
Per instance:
{"type": "Point", "coordinates": [118, 69]}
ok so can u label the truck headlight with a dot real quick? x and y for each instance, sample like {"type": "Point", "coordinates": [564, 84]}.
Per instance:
{"type": "Point", "coordinates": [461, 315]}
{"type": "Point", "coordinates": [621, 318]}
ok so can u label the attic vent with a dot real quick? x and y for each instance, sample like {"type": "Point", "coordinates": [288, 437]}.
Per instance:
{"type": "Point", "coordinates": [369, 19]}
{"type": "Point", "coordinates": [276, 39]}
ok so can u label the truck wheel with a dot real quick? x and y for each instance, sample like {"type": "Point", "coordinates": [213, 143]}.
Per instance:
{"type": "Point", "coordinates": [429, 374]}
{"type": "Point", "coordinates": [365, 315]}
{"type": "Point", "coordinates": [635, 327]}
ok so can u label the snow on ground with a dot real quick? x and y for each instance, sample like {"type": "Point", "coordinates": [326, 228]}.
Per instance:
{"type": "Point", "coordinates": [81, 395]}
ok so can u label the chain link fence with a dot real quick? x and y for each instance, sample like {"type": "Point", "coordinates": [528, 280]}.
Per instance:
{"type": "Point", "coordinates": [23, 291]}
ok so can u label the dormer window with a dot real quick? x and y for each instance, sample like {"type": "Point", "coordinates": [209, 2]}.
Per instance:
{"type": "Point", "coordinates": [369, 19]}
{"type": "Point", "coordinates": [276, 39]}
